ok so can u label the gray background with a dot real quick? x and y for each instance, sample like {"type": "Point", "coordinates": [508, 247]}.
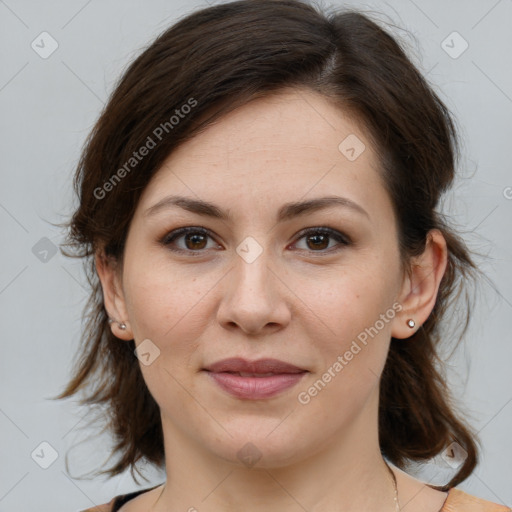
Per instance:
{"type": "Point", "coordinates": [48, 106]}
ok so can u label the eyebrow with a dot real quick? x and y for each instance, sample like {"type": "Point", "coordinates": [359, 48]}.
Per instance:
{"type": "Point", "coordinates": [286, 212]}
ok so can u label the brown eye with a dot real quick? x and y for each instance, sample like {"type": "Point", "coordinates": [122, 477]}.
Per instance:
{"type": "Point", "coordinates": [318, 239]}
{"type": "Point", "coordinates": [195, 239]}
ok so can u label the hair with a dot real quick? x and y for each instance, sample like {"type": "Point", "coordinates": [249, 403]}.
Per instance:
{"type": "Point", "coordinates": [213, 61]}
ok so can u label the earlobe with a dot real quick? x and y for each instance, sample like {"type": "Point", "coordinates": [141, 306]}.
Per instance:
{"type": "Point", "coordinates": [420, 287]}
{"type": "Point", "coordinates": [113, 297]}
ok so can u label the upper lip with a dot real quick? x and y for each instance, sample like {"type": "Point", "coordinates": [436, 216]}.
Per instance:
{"type": "Point", "coordinates": [238, 364]}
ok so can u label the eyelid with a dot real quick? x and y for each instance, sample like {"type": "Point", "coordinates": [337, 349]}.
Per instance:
{"type": "Point", "coordinates": [173, 235]}
{"type": "Point", "coordinates": [341, 238]}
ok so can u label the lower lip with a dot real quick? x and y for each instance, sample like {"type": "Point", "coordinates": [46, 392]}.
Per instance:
{"type": "Point", "coordinates": [254, 388]}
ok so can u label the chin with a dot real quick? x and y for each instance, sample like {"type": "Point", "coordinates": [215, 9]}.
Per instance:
{"type": "Point", "coordinates": [260, 445]}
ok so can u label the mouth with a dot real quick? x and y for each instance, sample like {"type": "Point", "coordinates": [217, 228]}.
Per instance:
{"type": "Point", "coordinates": [257, 375]}
{"type": "Point", "coordinates": [254, 380]}
{"type": "Point", "coordinates": [258, 367]}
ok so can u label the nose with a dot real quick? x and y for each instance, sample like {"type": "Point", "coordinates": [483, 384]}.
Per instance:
{"type": "Point", "coordinates": [254, 298]}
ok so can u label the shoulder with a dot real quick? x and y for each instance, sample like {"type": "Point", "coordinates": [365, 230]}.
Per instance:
{"type": "Point", "coordinates": [107, 507]}
{"type": "Point", "coordinates": [423, 497]}
{"type": "Point", "coordinates": [460, 501]}
{"type": "Point", "coordinates": [116, 503]}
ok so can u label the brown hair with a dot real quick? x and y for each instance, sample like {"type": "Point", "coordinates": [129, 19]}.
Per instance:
{"type": "Point", "coordinates": [215, 60]}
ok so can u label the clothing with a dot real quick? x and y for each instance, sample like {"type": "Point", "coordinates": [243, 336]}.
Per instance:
{"type": "Point", "coordinates": [116, 503]}
{"type": "Point", "coordinates": [457, 501]}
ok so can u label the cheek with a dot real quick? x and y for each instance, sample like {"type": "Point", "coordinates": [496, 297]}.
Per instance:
{"type": "Point", "coordinates": [354, 300]}
{"type": "Point", "coordinates": [166, 308]}
{"type": "Point", "coordinates": [168, 305]}
{"type": "Point", "coordinates": [358, 309]}
{"type": "Point", "coordinates": [155, 298]}
{"type": "Point", "coordinates": [353, 352]}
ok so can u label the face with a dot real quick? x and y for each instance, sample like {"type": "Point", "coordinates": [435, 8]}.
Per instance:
{"type": "Point", "coordinates": [317, 288]}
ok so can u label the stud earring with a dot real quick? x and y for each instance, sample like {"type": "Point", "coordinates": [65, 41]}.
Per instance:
{"type": "Point", "coordinates": [411, 323]}
{"type": "Point", "coordinates": [122, 325]}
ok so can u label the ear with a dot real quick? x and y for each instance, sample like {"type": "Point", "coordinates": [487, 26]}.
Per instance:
{"type": "Point", "coordinates": [420, 286]}
{"type": "Point", "coordinates": [109, 271]}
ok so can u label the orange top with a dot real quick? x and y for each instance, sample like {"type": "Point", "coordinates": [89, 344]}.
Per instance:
{"type": "Point", "coordinates": [457, 501]}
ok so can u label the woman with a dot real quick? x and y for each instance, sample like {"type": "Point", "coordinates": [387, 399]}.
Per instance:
{"type": "Point", "coordinates": [269, 270]}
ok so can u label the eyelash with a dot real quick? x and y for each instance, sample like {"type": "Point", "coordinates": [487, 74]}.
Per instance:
{"type": "Point", "coordinates": [169, 238]}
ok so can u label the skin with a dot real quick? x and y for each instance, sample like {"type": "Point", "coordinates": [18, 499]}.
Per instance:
{"type": "Point", "coordinates": [297, 301]}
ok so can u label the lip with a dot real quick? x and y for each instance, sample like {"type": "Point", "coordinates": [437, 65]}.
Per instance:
{"type": "Point", "coordinates": [238, 364]}
{"type": "Point", "coordinates": [226, 375]}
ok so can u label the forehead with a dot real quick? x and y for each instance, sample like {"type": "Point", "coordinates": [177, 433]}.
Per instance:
{"type": "Point", "coordinates": [291, 120]}
{"type": "Point", "coordinates": [295, 143]}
